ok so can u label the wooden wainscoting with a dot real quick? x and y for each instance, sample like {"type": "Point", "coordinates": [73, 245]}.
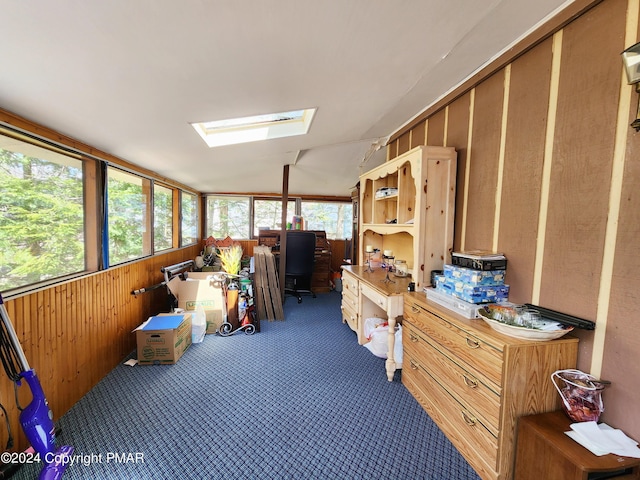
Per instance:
{"type": "Point", "coordinates": [74, 333]}
{"type": "Point", "coordinates": [247, 246]}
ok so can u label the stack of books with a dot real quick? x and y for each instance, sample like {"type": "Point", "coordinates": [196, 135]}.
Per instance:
{"type": "Point", "coordinates": [472, 279]}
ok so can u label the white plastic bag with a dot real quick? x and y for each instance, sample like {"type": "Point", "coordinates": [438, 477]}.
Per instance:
{"type": "Point", "coordinates": [376, 330]}
{"type": "Point", "coordinates": [198, 325]}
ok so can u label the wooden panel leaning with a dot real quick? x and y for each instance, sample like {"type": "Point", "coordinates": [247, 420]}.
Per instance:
{"type": "Point", "coordinates": [267, 292]}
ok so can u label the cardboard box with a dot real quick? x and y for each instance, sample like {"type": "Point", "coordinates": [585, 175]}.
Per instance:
{"type": "Point", "coordinates": [200, 289]}
{"type": "Point", "coordinates": [163, 339]}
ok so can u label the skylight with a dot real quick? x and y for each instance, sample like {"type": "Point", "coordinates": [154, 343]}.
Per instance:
{"type": "Point", "coordinates": [258, 127]}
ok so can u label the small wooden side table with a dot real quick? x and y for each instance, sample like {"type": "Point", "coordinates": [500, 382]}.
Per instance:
{"type": "Point", "coordinates": [545, 452]}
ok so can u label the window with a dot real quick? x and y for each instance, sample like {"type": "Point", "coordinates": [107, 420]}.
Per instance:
{"type": "Point", "coordinates": [333, 217]}
{"type": "Point", "coordinates": [228, 216]}
{"type": "Point", "coordinates": [189, 209]}
{"type": "Point", "coordinates": [128, 218]}
{"type": "Point", "coordinates": [231, 215]}
{"type": "Point", "coordinates": [267, 214]}
{"type": "Point", "coordinates": [41, 214]}
{"type": "Point", "coordinates": [51, 222]}
{"type": "Point", "coordinates": [162, 218]}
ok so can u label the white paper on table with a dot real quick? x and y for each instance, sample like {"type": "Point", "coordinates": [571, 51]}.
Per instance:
{"type": "Point", "coordinates": [602, 439]}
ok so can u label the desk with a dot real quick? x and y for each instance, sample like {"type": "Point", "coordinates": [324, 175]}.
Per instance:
{"type": "Point", "coordinates": [366, 294]}
{"type": "Point", "coordinates": [545, 452]}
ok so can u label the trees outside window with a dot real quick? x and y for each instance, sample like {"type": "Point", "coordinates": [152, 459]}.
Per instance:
{"type": "Point", "coordinates": [51, 226]}
{"type": "Point", "coordinates": [162, 218]}
{"type": "Point", "coordinates": [128, 218]}
{"type": "Point", "coordinates": [41, 215]}
{"type": "Point", "coordinates": [335, 218]}
{"type": "Point", "coordinates": [268, 214]}
{"type": "Point", "coordinates": [227, 216]}
{"type": "Point", "coordinates": [232, 216]}
{"type": "Point", "coordinates": [189, 209]}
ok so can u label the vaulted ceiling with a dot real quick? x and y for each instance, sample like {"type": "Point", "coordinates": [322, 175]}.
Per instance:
{"type": "Point", "coordinates": [129, 76]}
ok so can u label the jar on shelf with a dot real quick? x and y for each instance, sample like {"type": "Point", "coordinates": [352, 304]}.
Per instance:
{"type": "Point", "coordinates": [401, 269]}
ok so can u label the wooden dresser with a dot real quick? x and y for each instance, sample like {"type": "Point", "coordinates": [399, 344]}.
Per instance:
{"type": "Point", "coordinates": [475, 383]}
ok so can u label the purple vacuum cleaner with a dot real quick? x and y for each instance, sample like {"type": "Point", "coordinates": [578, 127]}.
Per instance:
{"type": "Point", "coordinates": [36, 418]}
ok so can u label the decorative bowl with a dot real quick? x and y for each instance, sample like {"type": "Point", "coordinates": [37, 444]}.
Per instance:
{"type": "Point", "coordinates": [547, 330]}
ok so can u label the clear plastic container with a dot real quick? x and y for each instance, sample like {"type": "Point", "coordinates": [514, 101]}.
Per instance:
{"type": "Point", "coordinates": [198, 325]}
{"type": "Point", "coordinates": [581, 394]}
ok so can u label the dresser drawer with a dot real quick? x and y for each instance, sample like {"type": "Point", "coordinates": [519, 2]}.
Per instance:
{"type": "Point", "coordinates": [376, 297]}
{"type": "Point", "coordinates": [481, 358]}
{"type": "Point", "coordinates": [350, 284]}
{"type": "Point", "coordinates": [465, 430]}
{"type": "Point", "coordinates": [350, 317]}
{"type": "Point", "coordinates": [481, 397]}
{"type": "Point", "coordinates": [350, 299]}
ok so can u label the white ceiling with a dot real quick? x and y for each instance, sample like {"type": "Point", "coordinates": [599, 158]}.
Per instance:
{"type": "Point", "coordinates": [128, 76]}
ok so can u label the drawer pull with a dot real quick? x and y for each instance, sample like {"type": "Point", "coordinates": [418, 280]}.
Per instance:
{"type": "Point", "coordinates": [413, 338]}
{"type": "Point", "coordinates": [472, 343]}
{"type": "Point", "coordinates": [470, 382]}
{"type": "Point", "coordinates": [469, 419]}
{"type": "Point", "coordinates": [414, 309]}
{"type": "Point", "coordinates": [413, 365]}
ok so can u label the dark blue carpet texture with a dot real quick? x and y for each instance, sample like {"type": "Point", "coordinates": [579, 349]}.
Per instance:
{"type": "Point", "coordinates": [298, 400]}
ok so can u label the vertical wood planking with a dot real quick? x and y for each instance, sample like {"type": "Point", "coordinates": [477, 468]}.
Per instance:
{"type": "Point", "coordinates": [457, 137]}
{"type": "Point", "coordinates": [418, 135]}
{"type": "Point", "coordinates": [621, 344]}
{"type": "Point", "coordinates": [524, 157]}
{"type": "Point", "coordinates": [484, 163]}
{"type": "Point", "coordinates": [435, 135]}
{"type": "Point", "coordinates": [570, 187]}
{"type": "Point", "coordinates": [74, 333]}
{"type": "Point", "coordinates": [506, 90]}
{"type": "Point", "coordinates": [582, 160]}
{"type": "Point", "coordinates": [404, 142]}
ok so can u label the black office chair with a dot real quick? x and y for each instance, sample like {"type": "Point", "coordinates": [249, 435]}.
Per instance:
{"type": "Point", "coordinates": [301, 249]}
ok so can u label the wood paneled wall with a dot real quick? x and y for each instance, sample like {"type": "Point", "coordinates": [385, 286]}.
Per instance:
{"type": "Point", "coordinates": [74, 333]}
{"type": "Point", "coordinates": [548, 173]}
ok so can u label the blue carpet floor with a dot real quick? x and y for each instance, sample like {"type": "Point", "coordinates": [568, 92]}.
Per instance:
{"type": "Point", "coordinates": [298, 400]}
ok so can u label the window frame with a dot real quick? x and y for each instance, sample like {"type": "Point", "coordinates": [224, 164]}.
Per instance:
{"type": "Point", "coordinates": [298, 199]}
{"type": "Point", "coordinates": [197, 236]}
{"type": "Point", "coordinates": [89, 169]}
{"type": "Point", "coordinates": [348, 219]}
{"type": "Point", "coordinates": [172, 192]}
{"type": "Point", "coordinates": [146, 194]}
{"type": "Point", "coordinates": [95, 167]}
{"type": "Point", "coordinates": [208, 222]}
